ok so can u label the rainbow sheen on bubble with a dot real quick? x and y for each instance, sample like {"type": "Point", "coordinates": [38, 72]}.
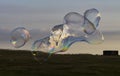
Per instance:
{"type": "Point", "coordinates": [19, 37]}
{"type": "Point", "coordinates": [76, 28]}
{"type": "Point", "coordinates": [39, 46]}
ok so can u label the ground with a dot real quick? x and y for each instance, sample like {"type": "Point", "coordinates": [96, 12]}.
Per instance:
{"type": "Point", "coordinates": [22, 63]}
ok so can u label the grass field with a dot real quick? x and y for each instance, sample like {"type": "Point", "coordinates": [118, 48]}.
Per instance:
{"type": "Point", "coordinates": [22, 63]}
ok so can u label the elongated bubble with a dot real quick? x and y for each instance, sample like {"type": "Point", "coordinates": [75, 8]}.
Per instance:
{"type": "Point", "coordinates": [76, 28]}
{"type": "Point", "coordinates": [19, 37]}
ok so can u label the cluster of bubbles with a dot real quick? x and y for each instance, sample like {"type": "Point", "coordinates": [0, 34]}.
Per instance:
{"type": "Point", "coordinates": [76, 27]}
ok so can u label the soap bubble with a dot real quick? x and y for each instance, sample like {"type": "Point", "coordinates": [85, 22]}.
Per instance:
{"type": "Point", "coordinates": [41, 45]}
{"type": "Point", "coordinates": [76, 28]}
{"type": "Point", "coordinates": [88, 27]}
{"type": "Point", "coordinates": [67, 42]}
{"type": "Point", "coordinates": [74, 21]}
{"type": "Point", "coordinates": [93, 16]}
{"type": "Point", "coordinates": [73, 18]}
{"type": "Point", "coordinates": [52, 42]}
{"type": "Point", "coordinates": [40, 49]}
{"type": "Point", "coordinates": [19, 36]}
{"type": "Point", "coordinates": [95, 38]}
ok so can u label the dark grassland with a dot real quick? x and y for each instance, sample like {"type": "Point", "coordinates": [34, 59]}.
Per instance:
{"type": "Point", "coordinates": [22, 63]}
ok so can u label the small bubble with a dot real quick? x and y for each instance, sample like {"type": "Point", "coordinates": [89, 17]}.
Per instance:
{"type": "Point", "coordinates": [19, 37]}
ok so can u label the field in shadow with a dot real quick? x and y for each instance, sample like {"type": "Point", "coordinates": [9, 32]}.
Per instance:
{"type": "Point", "coordinates": [22, 63]}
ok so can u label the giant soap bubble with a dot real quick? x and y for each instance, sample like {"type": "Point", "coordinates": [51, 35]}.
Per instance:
{"type": "Point", "coordinates": [19, 36]}
{"type": "Point", "coordinates": [75, 28]}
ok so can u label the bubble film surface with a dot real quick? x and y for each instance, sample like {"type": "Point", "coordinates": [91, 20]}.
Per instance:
{"type": "Point", "coordinates": [93, 16]}
{"type": "Point", "coordinates": [19, 36]}
{"type": "Point", "coordinates": [75, 28]}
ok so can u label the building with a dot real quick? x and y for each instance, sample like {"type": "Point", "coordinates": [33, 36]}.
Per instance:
{"type": "Point", "coordinates": [110, 52]}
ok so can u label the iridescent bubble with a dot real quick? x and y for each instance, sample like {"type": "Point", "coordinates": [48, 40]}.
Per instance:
{"type": "Point", "coordinates": [50, 44]}
{"type": "Point", "coordinates": [93, 16]}
{"type": "Point", "coordinates": [74, 21]}
{"type": "Point", "coordinates": [41, 45]}
{"type": "Point", "coordinates": [41, 49]}
{"type": "Point", "coordinates": [67, 42]}
{"type": "Point", "coordinates": [19, 36]}
{"type": "Point", "coordinates": [76, 28]}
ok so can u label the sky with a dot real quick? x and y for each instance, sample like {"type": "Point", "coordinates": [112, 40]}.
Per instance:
{"type": "Point", "coordinates": [39, 16]}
